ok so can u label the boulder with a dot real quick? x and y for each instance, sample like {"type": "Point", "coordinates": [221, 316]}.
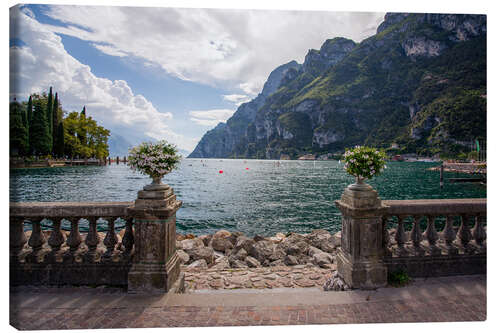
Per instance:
{"type": "Point", "coordinates": [221, 243]}
{"type": "Point", "coordinates": [297, 248]}
{"type": "Point", "coordinates": [221, 263]}
{"type": "Point", "coordinates": [244, 242]}
{"type": "Point", "coordinates": [202, 252]}
{"type": "Point", "coordinates": [322, 259]}
{"type": "Point", "coordinates": [234, 236]}
{"type": "Point", "coordinates": [262, 250]}
{"type": "Point", "coordinates": [258, 238]}
{"type": "Point", "coordinates": [205, 239]}
{"type": "Point", "coordinates": [280, 235]}
{"type": "Point", "coordinates": [222, 234]}
{"type": "Point", "coordinates": [321, 239]}
{"type": "Point", "coordinates": [337, 238]}
{"type": "Point", "coordinates": [276, 263]}
{"type": "Point", "coordinates": [235, 263]}
{"type": "Point", "coordinates": [313, 250]}
{"type": "Point", "coordinates": [201, 263]}
{"type": "Point", "coordinates": [190, 244]}
{"type": "Point", "coordinates": [290, 260]}
{"type": "Point", "coordinates": [278, 254]}
{"type": "Point", "coordinates": [240, 255]}
{"type": "Point", "coordinates": [183, 256]}
{"type": "Point", "coordinates": [252, 262]}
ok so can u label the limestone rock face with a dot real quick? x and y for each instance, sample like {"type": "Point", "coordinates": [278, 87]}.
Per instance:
{"type": "Point", "coordinates": [334, 99]}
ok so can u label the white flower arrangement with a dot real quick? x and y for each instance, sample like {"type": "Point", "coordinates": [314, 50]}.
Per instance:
{"type": "Point", "coordinates": [364, 162]}
{"type": "Point", "coordinates": [153, 159]}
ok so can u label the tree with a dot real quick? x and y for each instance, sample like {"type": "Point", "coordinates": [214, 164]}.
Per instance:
{"type": "Point", "coordinates": [50, 106]}
{"type": "Point", "coordinates": [58, 133]}
{"type": "Point", "coordinates": [29, 116]}
{"type": "Point", "coordinates": [41, 142]}
{"type": "Point", "coordinates": [81, 132]}
{"type": "Point", "coordinates": [18, 131]}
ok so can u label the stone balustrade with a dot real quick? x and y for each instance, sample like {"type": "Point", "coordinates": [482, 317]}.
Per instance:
{"type": "Point", "coordinates": [55, 257]}
{"type": "Point", "coordinates": [144, 261]}
{"type": "Point", "coordinates": [423, 238]}
{"type": "Point", "coordinates": [435, 237]}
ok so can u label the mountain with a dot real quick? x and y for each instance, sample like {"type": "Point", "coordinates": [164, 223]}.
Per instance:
{"type": "Point", "coordinates": [419, 82]}
{"type": "Point", "coordinates": [118, 145]}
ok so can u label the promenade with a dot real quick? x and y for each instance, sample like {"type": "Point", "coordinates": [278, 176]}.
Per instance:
{"type": "Point", "coordinates": [460, 298]}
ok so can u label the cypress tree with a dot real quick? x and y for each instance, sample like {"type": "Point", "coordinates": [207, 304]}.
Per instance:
{"type": "Point", "coordinates": [41, 142]}
{"type": "Point", "coordinates": [29, 111]}
{"type": "Point", "coordinates": [50, 106]}
{"type": "Point", "coordinates": [82, 132]}
{"type": "Point", "coordinates": [55, 123]}
{"type": "Point", "coordinates": [59, 147]}
{"type": "Point", "coordinates": [18, 131]}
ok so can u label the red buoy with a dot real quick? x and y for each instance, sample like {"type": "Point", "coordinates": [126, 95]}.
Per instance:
{"type": "Point", "coordinates": [220, 171]}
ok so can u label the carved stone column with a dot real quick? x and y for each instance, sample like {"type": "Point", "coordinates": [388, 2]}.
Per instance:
{"type": "Point", "coordinates": [156, 266]}
{"type": "Point", "coordinates": [359, 260]}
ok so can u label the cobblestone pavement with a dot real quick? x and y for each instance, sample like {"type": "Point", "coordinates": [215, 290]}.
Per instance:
{"type": "Point", "coordinates": [431, 300]}
{"type": "Point", "coordinates": [299, 276]}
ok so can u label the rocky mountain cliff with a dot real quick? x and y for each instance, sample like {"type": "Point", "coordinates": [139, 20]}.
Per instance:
{"type": "Point", "coordinates": [419, 82]}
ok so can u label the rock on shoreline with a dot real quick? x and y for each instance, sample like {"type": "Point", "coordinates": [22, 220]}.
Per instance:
{"type": "Point", "coordinates": [225, 249]}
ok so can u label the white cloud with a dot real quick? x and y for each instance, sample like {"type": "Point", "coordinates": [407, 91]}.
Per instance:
{"type": "Point", "coordinates": [233, 48]}
{"type": "Point", "coordinates": [237, 99]}
{"type": "Point", "coordinates": [43, 62]}
{"type": "Point", "coordinates": [210, 117]}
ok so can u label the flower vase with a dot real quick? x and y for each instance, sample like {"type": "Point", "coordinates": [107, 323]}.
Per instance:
{"type": "Point", "coordinates": [156, 184]}
{"type": "Point", "coordinates": [156, 180]}
{"type": "Point", "coordinates": [360, 185]}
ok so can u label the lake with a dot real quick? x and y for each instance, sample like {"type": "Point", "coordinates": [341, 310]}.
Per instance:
{"type": "Point", "coordinates": [253, 196]}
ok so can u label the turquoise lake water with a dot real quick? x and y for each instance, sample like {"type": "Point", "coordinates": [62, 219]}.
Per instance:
{"type": "Point", "coordinates": [264, 199]}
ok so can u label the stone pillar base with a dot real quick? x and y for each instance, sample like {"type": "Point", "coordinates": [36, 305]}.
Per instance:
{"type": "Point", "coordinates": [362, 274]}
{"type": "Point", "coordinates": [146, 278]}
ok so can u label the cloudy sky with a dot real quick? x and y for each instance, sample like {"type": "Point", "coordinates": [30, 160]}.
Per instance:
{"type": "Point", "coordinates": [163, 73]}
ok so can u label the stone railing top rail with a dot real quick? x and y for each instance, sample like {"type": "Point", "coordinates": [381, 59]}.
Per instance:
{"type": "Point", "coordinates": [103, 209]}
{"type": "Point", "coordinates": [436, 206]}
{"type": "Point", "coordinates": [69, 209]}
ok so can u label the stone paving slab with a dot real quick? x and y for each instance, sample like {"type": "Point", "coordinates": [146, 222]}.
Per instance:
{"type": "Point", "coordinates": [298, 276]}
{"type": "Point", "coordinates": [425, 300]}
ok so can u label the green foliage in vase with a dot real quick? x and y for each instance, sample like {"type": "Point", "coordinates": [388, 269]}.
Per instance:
{"type": "Point", "coordinates": [154, 159]}
{"type": "Point", "coordinates": [364, 162]}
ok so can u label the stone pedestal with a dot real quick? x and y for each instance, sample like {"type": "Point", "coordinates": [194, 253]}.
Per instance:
{"type": "Point", "coordinates": [156, 266]}
{"type": "Point", "coordinates": [359, 260]}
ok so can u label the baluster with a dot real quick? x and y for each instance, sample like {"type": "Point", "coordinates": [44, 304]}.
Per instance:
{"type": "Point", "coordinates": [56, 240]}
{"type": "Point", "coordinates": [17, 238]}
{"type": "Point", "coordinates": [36, 240]}
{"type": "Point", "coordinates": [385, 238]}
{"type": "Point", "coordinates": [74, 240]}
{"type": "Point", "coordinates": [432, 236]}
{"type": "Point", "coordinates": [449, 236]}
{"type": "Point", "coordinates": [92, 240]}
{"type": "Point", "coordinates": [128, 239]}
{"type": "Point", "coordinates": [479, 234]}
{"type": "Point", "coordinates": [416, 236]}
{"type": "Point", "coordinates": [401, 238]}
{"type": "Point", "coordinates": [110, 240]}
{"type": "Point", "coordinates": [465, 235]}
